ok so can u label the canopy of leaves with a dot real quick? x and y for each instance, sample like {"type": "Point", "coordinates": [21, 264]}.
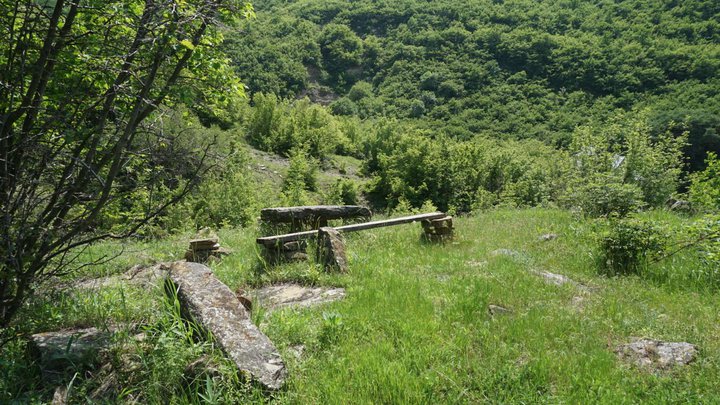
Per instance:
{"type": "Point", "coordinates": [501, 69]}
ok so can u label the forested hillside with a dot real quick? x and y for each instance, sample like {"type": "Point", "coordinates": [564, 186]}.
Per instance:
{"type": "Point", "coordinates": [516, 69]}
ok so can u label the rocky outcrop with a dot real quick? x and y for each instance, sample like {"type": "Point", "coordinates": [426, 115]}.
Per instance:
{"type": "Point", "coordinates": [213, 306]}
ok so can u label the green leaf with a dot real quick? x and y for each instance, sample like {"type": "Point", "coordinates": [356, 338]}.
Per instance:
{"type": "Point", "coordinates": [187, 44]}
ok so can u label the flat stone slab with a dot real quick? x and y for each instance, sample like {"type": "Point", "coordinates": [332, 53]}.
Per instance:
{"type": "Point", "coordinates": [75, 348]}
{"type": "Point", "coordinates": [281, 215]}
{"type": "Point", "coordinates": [513, 254]}
{"type": "Point", "coordinates": [656, 354]}
{"type": "Point", "coordinates": [498, 310]}
{"type": "Point", "coordinates": [144, 276]}
{"type": "Point", "coordinates": [561, 280]}
{"type": "Point", "coordinates": [294, 295]}
{"type": "Point", "coordinates": [548, 237]}
{"type": "Point", "coordinates": [211, 304]}
{"type": "Point", "coordinates": [554, 278]}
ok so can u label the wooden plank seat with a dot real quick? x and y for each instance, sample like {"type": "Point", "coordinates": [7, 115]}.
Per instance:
{"type": "Point", "coordinates": [271, 241]}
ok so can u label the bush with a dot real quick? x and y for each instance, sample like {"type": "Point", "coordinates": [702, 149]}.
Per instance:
{"type": "Point", "coordinates": [226, 197]}
{"type": "Point", "coordinates": [620, 167]}
{"type": "Point", "coordinates": [605, 195]}
{"type": "Point", "coordinates": [345, 192]}
{"type": "Point", "coordinates": [302, 172]}
{"type": "Point", "coordinates": [627, 245]}
{"type": "Point", "coordinates": [704, 189]}
{"type": "Point", "coordinates": [280, 126]}
{"type": "Point", "coordinates": [705, 238]}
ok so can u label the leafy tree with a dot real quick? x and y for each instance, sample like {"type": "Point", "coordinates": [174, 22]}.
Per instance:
{"type": "Point", "coordinates": [81, 80]}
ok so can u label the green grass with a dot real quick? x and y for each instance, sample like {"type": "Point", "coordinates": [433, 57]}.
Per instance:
{"type": "Point", "coordinates": [414, 327]}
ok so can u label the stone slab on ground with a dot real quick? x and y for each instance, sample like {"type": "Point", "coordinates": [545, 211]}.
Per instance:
{"type": "Point", "coordinates": [513, 254]}
{"type": "Point", "coordinates": [554, 278]}
{"type": "Point", "coordinates": [210, 303]}
{"type": "Point", "coordinates": [656, 354]}
{"type": "Point", "coordinates": [498, 310]}
{"type": "Point", "coordinates": [561, 280]}
{"type": "Point", "coordinates": [75, 348]}
{"type": "Point", "coordinates": [548, 237]}
{"type": "Point", "coordinates": [143, 276]}
{"type": "Point", "coordinates": [294, 295]}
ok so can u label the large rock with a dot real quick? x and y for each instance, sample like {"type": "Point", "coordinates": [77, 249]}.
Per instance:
{"type": "Point", "coordinates": [214, 307]}
{"type": "Point", "coordinates": [331, 249]}
{"type": "Point", "coordinates": [293, 295]}
{"type": "Point", "coordinates": [656, 354]}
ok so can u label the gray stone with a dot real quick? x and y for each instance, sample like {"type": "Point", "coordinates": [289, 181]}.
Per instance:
{"type": "Point", "coordinates": [498, 310]}
{"type": "Point", "coordinates": [60, 396]}
{"type": "Point", "coordinates": [438, 230]}
{"type": "Point", "coordinates": [206, 255]}
{"type": "Point", "coordinates": [548, 237]}
{"type": "Point", "coordinates": [69, 349]}
{"type": "Point", "coordinates": [143, 276]}
{"type": "Point", "coordinates": [297, 351]}
{"type": "Point", "coordinates": [553, 278]}
{"type": "Point", "coordinates": [656, 354]}
{"type": "Point", "coordinates": [204, 244]}
{"type": "Point", "coordinates": [293, 295]}
{"type": "Point", "coordinates": [331, 250]}
{"type": "Point", "coordinates": [680, 205]}
{"type": "Point", "coordinates": [313, 214]}
{"type": "Point", "coordinates": [214, 307]}
{"type": "Point", "coordinates": [561, 280]}
{"type": "Point", "coordinates": [514, 254]}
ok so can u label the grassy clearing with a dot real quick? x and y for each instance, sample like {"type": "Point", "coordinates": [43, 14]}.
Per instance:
{"type": "Point", "coordinates": [415, 326]}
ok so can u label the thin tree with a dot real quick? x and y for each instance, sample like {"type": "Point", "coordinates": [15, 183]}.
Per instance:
{"type": "Point", "coordinates": [78, 81]}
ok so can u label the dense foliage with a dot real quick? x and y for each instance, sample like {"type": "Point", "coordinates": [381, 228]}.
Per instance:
{"type": "Point", "coordinates": [499, 69]}
{"type": "Point", "coordinates": [81, 86]}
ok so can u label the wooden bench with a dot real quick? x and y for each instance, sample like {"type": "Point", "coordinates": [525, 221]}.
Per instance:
{"type": "Point", "coordinates": [437, 226]}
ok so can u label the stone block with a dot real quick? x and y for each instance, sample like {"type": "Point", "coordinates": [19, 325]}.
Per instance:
{"type": "Point", "coordinates": [214, 307]}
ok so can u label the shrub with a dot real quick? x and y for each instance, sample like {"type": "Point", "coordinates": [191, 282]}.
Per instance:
{"type": "Point", "coordinates": [226, 197]}
{"type": "Point", "coordinates": [705, 237]}
{"type": "Point", "coordinates": [345, 192]}
{"type": "Point", "coordinates": [302, 172]}
{"type": "Point", "coordinates": [620, 167]}
{"type": "Point", "coordinates": [627, 245]}
{"type": "Point", "coordinates": [704, 189]}
{"type": "Point", "coordinates": [606, 195]}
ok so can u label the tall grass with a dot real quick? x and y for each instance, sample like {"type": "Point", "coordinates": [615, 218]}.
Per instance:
{"type": "Point", "coordinates": [415, 326]}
